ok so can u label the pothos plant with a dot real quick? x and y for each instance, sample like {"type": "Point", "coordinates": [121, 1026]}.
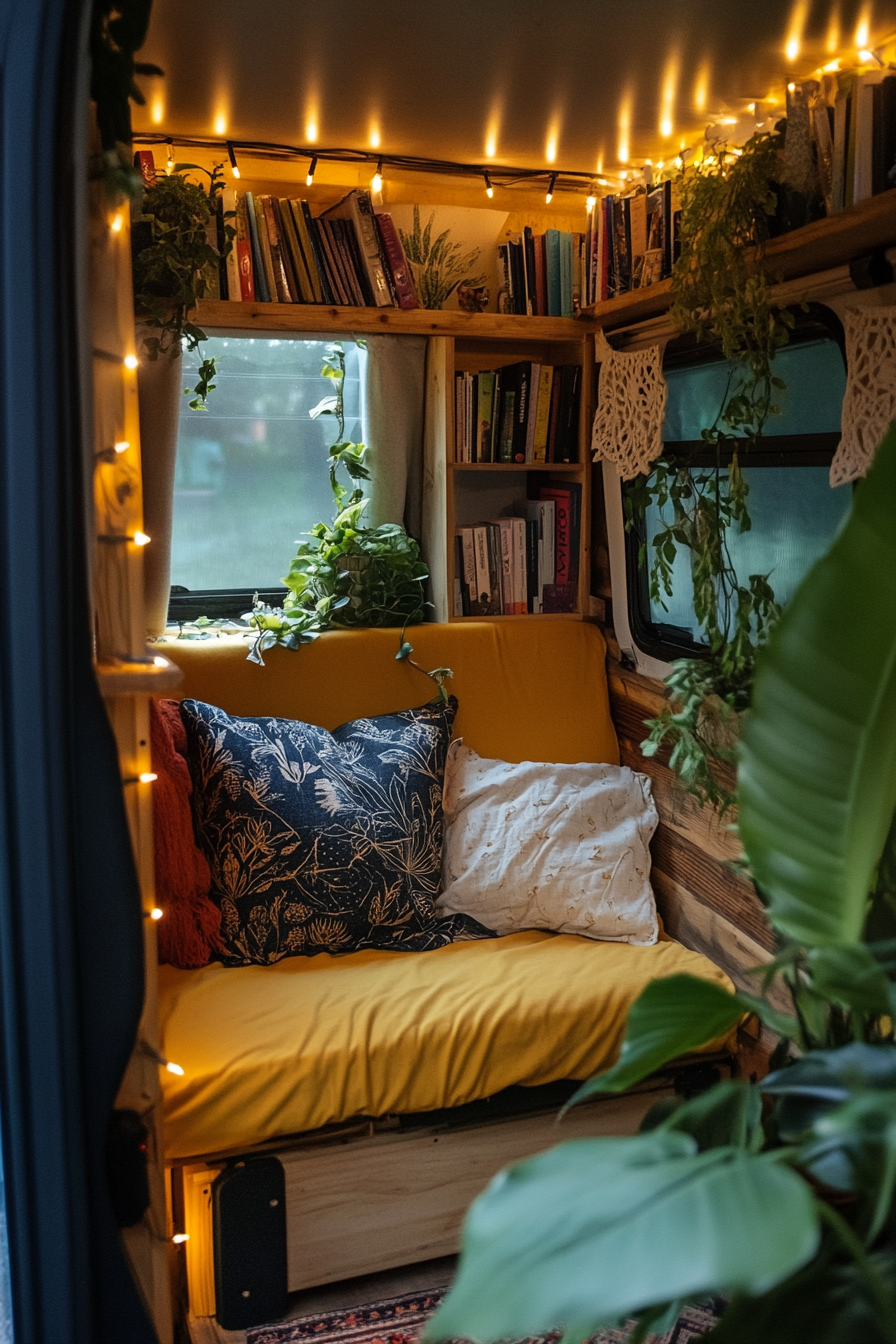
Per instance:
{"type": "Point", "coordinates": [346, 574]}
{"type": "Point", "coordinates": [117, 32]}
{"type": "Point", "coordinates": [171, 268]}
{"type": "Point", "coordinates": [722, 294]}
{"type": "Point", "coordinates": [779, 1196]}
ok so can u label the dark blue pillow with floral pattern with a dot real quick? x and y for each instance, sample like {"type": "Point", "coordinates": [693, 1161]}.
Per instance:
{"type": "Point", "coordinates": [323, 842]}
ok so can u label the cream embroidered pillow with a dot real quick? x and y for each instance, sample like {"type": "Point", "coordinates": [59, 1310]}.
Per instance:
{"type": "Point", "coordinates": [538, 846]}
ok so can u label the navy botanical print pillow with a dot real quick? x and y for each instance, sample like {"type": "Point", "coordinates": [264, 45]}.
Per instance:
{"type": "Point", "coordinates": [318, 841]}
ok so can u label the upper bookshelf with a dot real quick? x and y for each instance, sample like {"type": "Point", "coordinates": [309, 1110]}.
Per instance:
{"type": "Point", "coordinates": [830, 242]}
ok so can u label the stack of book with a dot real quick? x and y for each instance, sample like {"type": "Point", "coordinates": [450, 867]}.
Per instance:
{"type": "Point", "coordinates": [520, 566]}
{"type": "Point", "coordinates": [854, 131]}
{"type": "Point", "coordinates": [523, 412]}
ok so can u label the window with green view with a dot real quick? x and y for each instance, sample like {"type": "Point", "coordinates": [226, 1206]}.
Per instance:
{"type": "Point", "coordinates": [794, 512]}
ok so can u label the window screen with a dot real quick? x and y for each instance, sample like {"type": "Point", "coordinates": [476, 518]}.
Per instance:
{"type": "Point", "coordinates": [795, 513]}
{"type": "Point", "coordinates": [252, 470]}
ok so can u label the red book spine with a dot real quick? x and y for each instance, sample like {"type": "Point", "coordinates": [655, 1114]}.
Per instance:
{"type": "Point", "coordinates": [402, 280]}
{"type": "Point", "coordinates": [563, 544]}
{"type": "Point", "coordinates": [244, 260]}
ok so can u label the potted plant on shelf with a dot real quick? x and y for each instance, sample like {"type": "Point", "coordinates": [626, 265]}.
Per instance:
{"type": "Point", "coordinates": [780, 1195]}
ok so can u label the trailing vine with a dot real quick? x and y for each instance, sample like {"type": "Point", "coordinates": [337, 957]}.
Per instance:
{"type": "Point", "coordinates": [722, 294]}
{"type": "Point", "coordinates": [172, 254]}
{"type": "Point", "coordinates": [347, 574]}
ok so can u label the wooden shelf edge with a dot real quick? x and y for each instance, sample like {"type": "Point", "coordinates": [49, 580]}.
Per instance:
{"type": "Point", "coordinates": [820, 246]}
{"type": "Point", "coordinates": [224, 315]}
{"type": "Point", "coordinates": [138, 678]}
{"type": "Point", "coordinates": [529, 616]}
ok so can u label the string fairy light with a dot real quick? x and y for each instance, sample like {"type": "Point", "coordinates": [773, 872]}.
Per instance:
{"type": "Point", "coordinates": [489, 189]}
{"type": "Point", "coordinates": [231, 154]}
{"type": "Point", "coordinates": [309, 178]}
{"type": "Point", "coordinates": [376, 182]}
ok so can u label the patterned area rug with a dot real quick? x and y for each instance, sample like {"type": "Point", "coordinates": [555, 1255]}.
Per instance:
{"type": "Point", "coordinates": [399, 1320]}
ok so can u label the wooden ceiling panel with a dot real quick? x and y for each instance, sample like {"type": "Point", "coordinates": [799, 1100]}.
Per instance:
{"type": "Point", "coordinates": [481, 80]}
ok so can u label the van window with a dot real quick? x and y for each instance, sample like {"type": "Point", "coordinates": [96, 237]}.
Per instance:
{"type": "Point", "coordinates": [794, 512]}
{"type": "Point", "coordinates": [251, 473]}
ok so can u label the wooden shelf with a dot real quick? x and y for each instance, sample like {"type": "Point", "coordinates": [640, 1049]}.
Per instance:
{"type": "Point", "coordinates": [150, 677]}
{"type": "Point", "coordinates": [516, 466]}
{"type": "Point", "coordinates": [827, 243]}
{"type": "Point", "coordinates": [529, 616]}
{"type": "Point", "coordinates": [222, 315]}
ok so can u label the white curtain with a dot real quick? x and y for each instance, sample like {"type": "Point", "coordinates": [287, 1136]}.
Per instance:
{"type": "Point", "coordinates": [160, 392]}
{"type": "Point", "coordinates": [392, 386]}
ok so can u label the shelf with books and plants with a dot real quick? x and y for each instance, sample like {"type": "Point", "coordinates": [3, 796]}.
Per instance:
{"type": "Point", "coordinates": [516, 498]}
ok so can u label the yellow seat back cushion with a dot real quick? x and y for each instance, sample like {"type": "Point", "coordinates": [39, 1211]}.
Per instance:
{"type": "Point", "coordinates": [528, 690]}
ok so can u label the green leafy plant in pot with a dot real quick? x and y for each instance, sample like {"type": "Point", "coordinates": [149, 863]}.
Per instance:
{"type": "Point", "coordinates": [347, 574]}
{"type": "Point", "coordinates": [172, 260]}
{"type": "Point", "coordinates": [779, 1196]}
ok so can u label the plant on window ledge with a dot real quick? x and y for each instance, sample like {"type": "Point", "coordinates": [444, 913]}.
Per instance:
{"type": "Point", "coordinates": [721, 293]}
{"type": "Point", "coordinates": [346, 575]}
{"type": "Point", "coordinates": [172, 255]}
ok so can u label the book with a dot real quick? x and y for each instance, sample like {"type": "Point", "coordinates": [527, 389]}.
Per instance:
{"type": "Point", "coordinates": [529, 270]}
{"type": "Point", "coordinates": [303, 236]}
{"type": "Point", "coordinates": [231, 261]}
{"type": "Point", "coordinates": [824, 148]}
{"type": "Point", "coordinates": [146, 167]}
{"type": "Point", "coordinates": [278, 265]}
{"type": "Point", "coordinates": [508, 417]}
{"type": "Point", "coordinates": [264, 244]}
{"type": "Point", "coordinates": [262, 293]}
{"type": "Point", "coordinates": [884, 155]}
{"type": "Point", "coordinates": [242, 246]}
{"type": "Point", "coordinates": [468, 572]}
{"type": "Point", "coordinates": [332, 265]}
{"type": "Point", "coordinates": [552, 268]}
{"type": "Point", "coordinates": [329, 294]}
{"type": "Point", "coordinates": [638, 235]}
{"type": "Point", "coordinates": [533, 593]}
{"type": "Point", "coordinates": [400, 271]}
{"type": "Point", "coordinates": [562, 531]}
{"type": "Point", "coordinates": [565, 247]}
{"type": "Point", "coordinates": [531, 411]}
{"type": "Point", "coordinates": [485, 415]}
{"type": "Point", "coordinates": [541, 292]}
{"type": "Point", "coordinates": [566, 448]}
{"type": "Point", "coordinates": [543, 413]}
{"type": "Point", "coordinates": [508, 604]}
{"type": "Point", "coordinates": [357, 209]}
{"type": "Point", "coordinates": [866, 94]}
{"type": "Point", "coordinates": [457, 604]}
{"type": "Point", "coordinates": [554, 418]}
{"type": "Point", "coordinates": [518, 566]}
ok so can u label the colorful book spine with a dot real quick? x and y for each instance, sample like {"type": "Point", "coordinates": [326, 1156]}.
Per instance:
{"type": "Point", "coordinates": [402, 277]}
{"type": "Point", "coordinates": [543, 414]}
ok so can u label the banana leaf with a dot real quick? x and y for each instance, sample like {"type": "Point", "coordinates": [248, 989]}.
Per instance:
{"type": "Point", "coordinates": [817, 777]}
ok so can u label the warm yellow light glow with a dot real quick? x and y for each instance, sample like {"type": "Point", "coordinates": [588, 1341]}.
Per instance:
{"type": "Point", "coordinates": [550, 150]}
{"type": "Point", "coordinates": [590, 203]}
{"type": "Point", "coordinates": [624, 124]}
{"type": "Point", "coordinates": [751, 107]}
{"type": "Point", "coordinates": [550, 191]}
{"type": "Point", "coordinates": [491, 147]}
{"type": "Point", "coordinates": [130, 361]}
{"type": "Point", "coordinates": [867, 56]}
{"type": "Point", "coordinates": [141, 539]}
{"type": "Point", "coordinates": [669, 91]}
{"type": "Point", "coordinates": [489, 189]}
{"type": "Point", "coordinates": [176, 1068]}
{"type": "Point", "coordinates": [180, 1237]}
{"type": "Point", "coordinates": [832, 41]}
{"type": "Point", "coordinates": [862, 30]}
{"type": "Point", "coordinates": [602, 182]}
{"type": "Point", "coordinates": [159, 661]}
{"type": "Point", "coordinates": [791, 88]}
{"type": "Point", "coordinates": [310, 175]}
{"type": "Point", "coordinates": [376, 182]}
{"type": "Point", "coordinates": [374, 137]}
{"type": "Point", "coordinates": [795, 29]}
{"type": "Point", "coordinates": [116, 223]}
{"type": "Point", "coordinates": [311, 131]}
{"type": "Point", "coordinates": [122, 446]}
{"type": "Point", "coordinates": [679, 162]}
{"type": "Point", "coordinates": [156, 913]}
{"type": "Point", "coordinates": [701, 88]}
{"type": "Point", "coordinates": [727, 121]}
{"type": "Point", "coordinates": [831, 67]}
{"type": "Point", "coordinates": [148, 777]}
{"type": "Point", "coordinates": [220, 124]}
{"type": "Point", "coordinates": [235, 171]}
{"type": "Point", "coordinates": [157, 111]}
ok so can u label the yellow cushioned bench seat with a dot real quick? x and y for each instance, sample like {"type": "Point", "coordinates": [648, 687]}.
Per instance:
{"type": "Point", "coordinates": [309, 1041]}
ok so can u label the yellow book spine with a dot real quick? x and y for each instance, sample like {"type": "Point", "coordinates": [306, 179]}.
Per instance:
{"type": "Point", "coordinates": [543, 414]}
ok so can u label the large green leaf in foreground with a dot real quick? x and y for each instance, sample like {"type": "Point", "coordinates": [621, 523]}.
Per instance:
{"type": "Point", "coordinates": [596, 1229]}
{"type": "Point", "coordinates": [817, 777]}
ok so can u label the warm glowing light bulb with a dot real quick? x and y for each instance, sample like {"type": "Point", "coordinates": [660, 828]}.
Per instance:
{"type": "Point", "coordinates": [159, 661]}
{"type": "Point", "coordinates": [590, 203]}
{"type": "Point", "coordinates": [831, 67]}
{"type": "Point", "coordinates": [148, 777]}
{"type": "Point", "coordinates": [792, 50]}
{"type": "Point", "coordinates": [489, 189]}
{"type": "Point", "coordinates": [175, 1068]}
{"type": "Point", "coordinates": [376, 182]}
{"type": "Point", "coordinates": [751, 107]}
{"type": "Point", "coordinates": [117, 222]}
{"type": "Point", "coordinates": [220, 124]}
{"type": "Point", "coordinates": [130, 361]}
{"type": "Point", "coordinates": [156, 913]}
{"type": "Point", "coordinates": [867, 56]}
{"type": "Point", "coordinates": [862, 33]}
{"type": "Point", "coordinates": [122, 446]}
{"type": "Point", "coordinates": [550, 192]}
{"type": "Point", "coordinates": [666, 127]}
{"type": "Point", "coordinates": [310, 176]}
{"type": "Point", "coordinates": [791, 88]}
{"type": "Point", "coordinates": [141, 539]}
{"type": "Point", "coordinates": [231, 154]}
{"type": "Point", "coordinates": [180, 1237]}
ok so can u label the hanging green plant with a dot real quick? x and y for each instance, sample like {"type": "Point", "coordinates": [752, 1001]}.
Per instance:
{"type": "Point", "coordinates": [172, 258]}
{"type": "Point", "coordinates": [346, 575]}
{"type": "Point", "coordinates": [117, 31]}
{"type": "Point", "coordinates": [722, 294]}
